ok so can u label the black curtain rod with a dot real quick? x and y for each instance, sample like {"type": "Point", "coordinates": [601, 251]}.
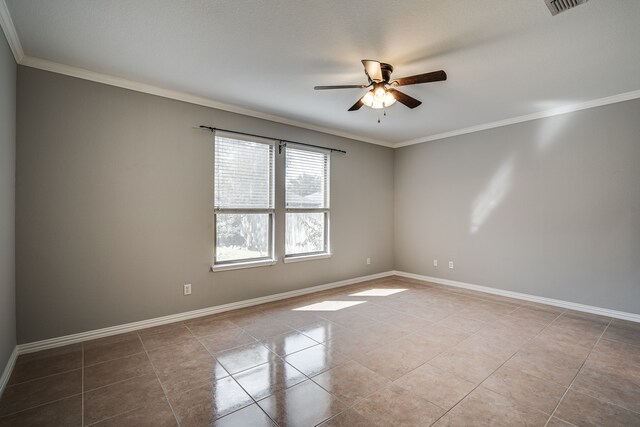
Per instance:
{"type": "Point", "coordinates": [282, 141]}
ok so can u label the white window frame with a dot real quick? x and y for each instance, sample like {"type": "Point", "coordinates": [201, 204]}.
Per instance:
{"type": "Point", "coordinates": [270, 259]}
{"type": "Point", "coordinates": [326, 253]}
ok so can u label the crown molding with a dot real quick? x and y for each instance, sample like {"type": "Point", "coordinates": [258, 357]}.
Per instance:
{"type": "Point", "coordinates": [10, 32]}
{"type": "Point", "coordinates": [569, 108]}
{"type": "Point", "coordinates": [82, 73]}
{"type": "Point", "coordinates": [16, 47]}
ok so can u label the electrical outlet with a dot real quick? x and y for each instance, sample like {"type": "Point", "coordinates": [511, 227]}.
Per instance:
{"type": "Point", "coordinates": [451, 265]}
{"type": "Point", "coordinates": [187, 289]}
{"type": "Point", "coordinates": [435, 262]}
{"type": "Point", "coordinates": [368, 261]}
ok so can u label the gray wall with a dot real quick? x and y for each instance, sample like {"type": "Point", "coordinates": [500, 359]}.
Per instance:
{"type": "Point", "coordinates": [549, 207]}
{"type": "Point", "coordinates": [7, 201]}
{"type": "Point", "coordinates": [114, 197]}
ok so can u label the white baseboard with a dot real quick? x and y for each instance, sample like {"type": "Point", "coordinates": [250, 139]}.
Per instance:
{"type": "Point", "coordinates": [114, 330]}
{"type": "Point", "coordinates": [526, 297]}
{"type": "Point", "coordinates": [8, 369]}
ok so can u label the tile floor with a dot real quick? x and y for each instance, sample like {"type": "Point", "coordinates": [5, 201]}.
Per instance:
{"type": "Point", "coordinates": [391, 352]}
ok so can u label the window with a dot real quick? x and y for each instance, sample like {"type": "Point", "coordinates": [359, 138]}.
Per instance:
{"type": "Point", "coordinates": [243, 202]}
{"type": "Point", "coordinates": [307, 202]}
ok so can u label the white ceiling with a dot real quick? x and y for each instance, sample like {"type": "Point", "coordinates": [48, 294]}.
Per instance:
{"type": "Point", "coordinates": [504, 58]}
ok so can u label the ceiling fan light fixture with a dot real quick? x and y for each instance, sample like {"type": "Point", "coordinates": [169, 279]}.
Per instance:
{"type": "Point", "coordinates": [378, 98]}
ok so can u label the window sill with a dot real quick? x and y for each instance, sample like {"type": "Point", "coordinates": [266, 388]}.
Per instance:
{"type": "Point", "coordinates": [239, 265]}
{"type": "Point", "coordinates": [300, 258]}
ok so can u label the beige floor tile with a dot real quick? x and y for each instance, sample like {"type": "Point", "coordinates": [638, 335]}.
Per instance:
{"type": "Point", "coordinates": [620, 386]}
{"type": "Point", "coordinates": [349, 418]}
{"type": "Point", "coordinates": [571, 337]}
{"type": "Point", "coordinates": [158, 329]}
{"type": "Point", "coordinates": [167, 338]}
{"type": "Point", "coordinates": [245, 317]}
{"type": "Point", "coordinates": [317, 359]}
{"type": "Point", "coordinates": [226, 340]}
{"type": "Point", "coordinates": [483, 407]}
{"type": "Point", "coordinates": [48, 362]}
{"type": "Point", "coordinates": [288, 343]}
{"type": "Point", "coordinates": [353, 321]}
{"type": "Point", "coordinates": [350, 382]}
{"type": "Point", "coordinates": [557, 422]}
{"type": "Point", "coordinates": [251, 415]}
{"type": "Point", "coordinates": [396, 359]}
{"type": "Point", "coordinates": [186, 350]}
{"type": "Point", "coordinates": [461, 324]}
{"type": "Point", "coordinates": [582, 410]}
{"type": "Point", "coordinates": [616, 353]}
{"type": "Point", "coordinates": [387, 332]}
{"type": "Point", "coordinates": [620, 330]}
{"type": "Point", "coordinates": [210, 325]}
{"type": "Point", "coordinates": [262, 331]}
{"type": "Point", "coordinates": [156, 413]}
{"type": "Point", "coordinates": [266, 379]}
{"type": "Point", "coordinates": [355, 344]}
{"type": "Point", "coordinates": [525, 389]}
{"type": "Point", "coordinates": [105, 349]}
{"type": "Point", "coordinates": [36, 392]}
{"type": "Point", "coordinates": [549, 365]}
{"type": "Point", "coordinates": [322, 331]}
{"type": "Point", "coordinates": [395, 406]}
{"type": "Point", "coordinates": [61, 413]}
{"type": "Point", "coordinates": [106, 373]}
{"type": "Point", "coordinates": [539, 314]}
{"type": "Point", "coordinates": [305, 404]}
{"type": "Point", "coordinates": [410, 323]}
{"type": "Point", "coordinates": [472, 366]}
{"type": "Point", "coordinates": [297, 319]}
{"type": "Point", "coordinates": [203, 405]}
{"type": "Point", "coordinates": [517, 327]}
{"type": "Point", "coordinates": [180, 375]}
{"type": "Point", "coordinates": [436, 385]}
{"type": "Point", "coordinates": [581, 323]}
{"type": "Point", "coordinates": [442, 337]}
{"type": "Point", "coordinates": [492, 344]}
{"type": "Point", "coordinates": [245, 357]}
{"type": "Point", "coordinates": [125, 396]}
{"type": "Point", "coordinates": [553, 339]}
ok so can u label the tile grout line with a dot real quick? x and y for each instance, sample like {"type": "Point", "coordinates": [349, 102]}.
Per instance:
{"type": "Point", "coordinates": [44, 377]}
{"type": "Point", "coordinates": [158, 378]}
{"type": "Point", "coordinates": [416, 332]}
{"type": "Point", "coordinates": [40, 405]}
{"type": "Point", "coordinates": [510, 357]}
{"type": "Point", "coordinates": [578, 372]}
{"type": "Point", "coordinates": [255, 402]}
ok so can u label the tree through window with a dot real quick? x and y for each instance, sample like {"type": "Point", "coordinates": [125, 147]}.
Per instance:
{"type": "Point", "coordinates": [307, 201]}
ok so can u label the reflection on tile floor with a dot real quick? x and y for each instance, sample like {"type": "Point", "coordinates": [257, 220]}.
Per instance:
{"type": "Point", "coordinates": [387, 352]}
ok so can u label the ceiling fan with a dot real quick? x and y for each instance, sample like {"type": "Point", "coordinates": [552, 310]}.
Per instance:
{"type": "Point", "coordinates": [383, 93]}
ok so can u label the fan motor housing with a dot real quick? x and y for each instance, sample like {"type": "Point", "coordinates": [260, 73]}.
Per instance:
{"type": "Point", "coordinates": [387, 69]}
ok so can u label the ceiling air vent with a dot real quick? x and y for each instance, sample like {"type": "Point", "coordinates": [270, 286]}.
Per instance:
{"type": "Point", "coordinates": [558, 6]}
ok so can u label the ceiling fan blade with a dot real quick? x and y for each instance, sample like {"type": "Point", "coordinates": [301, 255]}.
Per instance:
{"type": "Point", "coordinates": [340, 87]}
{"type": "Point", "coordinates": [434, 76]}
{"type": "Point", "coordinates": [404, 98]}
{"type": "Point", "coordinates": [357, 105]}
{"type": "Point", "coordinates": [373, 70]}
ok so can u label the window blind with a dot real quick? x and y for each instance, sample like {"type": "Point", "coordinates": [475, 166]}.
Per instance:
{"type": "Point", "coordinates": [306, 179]}
{"type": "Point", "coordinates": [243, 174]}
